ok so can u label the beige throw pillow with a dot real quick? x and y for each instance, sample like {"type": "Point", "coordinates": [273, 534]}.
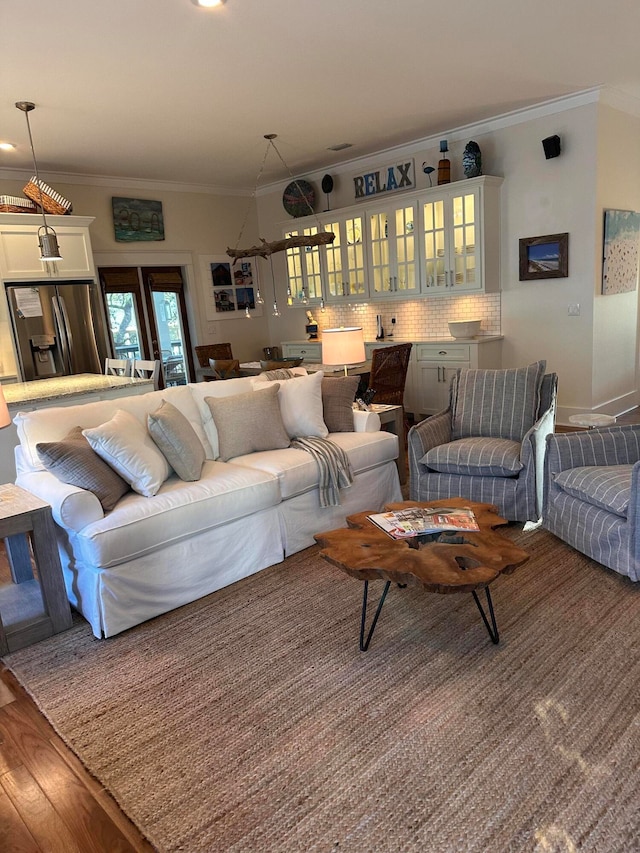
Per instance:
{"type": "Point", "coordinates": [125, 444]}
{"type": "Point", "coordinates": [72, 460]}
{"type": "Point", "coordinates": [338, 394]}
{"type": "Point", "coordinates": [248, 422]}
{"type": "Point", "coordinates": [177, 440]}
{"type": "Point", "coordinates": [300, 400]}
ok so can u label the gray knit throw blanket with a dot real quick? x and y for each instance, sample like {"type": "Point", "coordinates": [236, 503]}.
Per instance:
{"type": "Point", "coordinates": [333, 466]}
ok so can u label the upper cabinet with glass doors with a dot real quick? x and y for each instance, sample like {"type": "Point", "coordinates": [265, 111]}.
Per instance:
{"type": "Point", "coordinates": [393, 266]}
{"type": "Point", "coordinates": [345, 260]}
{"type": "Point", "coordinates": [303, 269]}
{"type": "Point", "coordinates": [459, 237]}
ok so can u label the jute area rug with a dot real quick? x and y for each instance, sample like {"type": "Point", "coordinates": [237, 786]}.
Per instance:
{"type": "Point", "coordinates": [250, 721]}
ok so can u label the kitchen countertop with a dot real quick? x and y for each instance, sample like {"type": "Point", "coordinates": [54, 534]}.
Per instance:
{"type": "Point", "coordinates": [65, 386]}
{"type": "Point", "coordinates": [479, 339]}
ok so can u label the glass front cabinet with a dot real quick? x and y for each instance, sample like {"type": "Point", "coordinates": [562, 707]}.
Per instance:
{"type": "Point", "coordinates": [345, 260]}
{"type": "Point", "coordinates": [392, 251]}
{"type": "Point", "coordinates": [440, 241]}
{"type": "Point", "coordinates": [459, 238]}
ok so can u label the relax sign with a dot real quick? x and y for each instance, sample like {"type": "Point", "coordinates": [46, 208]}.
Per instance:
{"type": "Point", "coordinates": [397, 177]}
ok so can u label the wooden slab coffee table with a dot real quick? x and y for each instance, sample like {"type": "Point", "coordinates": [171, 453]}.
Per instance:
{"type": "Point", "coordinates": [449, 562]}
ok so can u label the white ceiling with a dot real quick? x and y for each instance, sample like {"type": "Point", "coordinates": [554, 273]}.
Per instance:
{"type": "Point", "coordinates": [164, 91]}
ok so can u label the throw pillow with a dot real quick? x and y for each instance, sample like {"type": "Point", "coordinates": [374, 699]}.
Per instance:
{"type": "Point", "coordinates": [300, 402]}
{"type": "Point", "coordinates": [72, 460]}
{"type": "Point", "coordinates": [125, 444]}
{"type": "Point", "coordinates": [338, 394]}
{"type": "Point", "coordinates": [248, 422]}
{"type": "Point", "coordinates": [177, 440]}
{"type": "Point", "coordinates": [497, 403]}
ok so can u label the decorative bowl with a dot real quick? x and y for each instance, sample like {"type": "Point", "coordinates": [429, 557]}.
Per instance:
{"type": "Point", "coordinates": [464, 329]}
{"type": "Point", "coordinates": [273, 364]}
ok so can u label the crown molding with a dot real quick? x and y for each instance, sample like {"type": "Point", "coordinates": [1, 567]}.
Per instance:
{"type": "Point", "coordinates": [112, 182]}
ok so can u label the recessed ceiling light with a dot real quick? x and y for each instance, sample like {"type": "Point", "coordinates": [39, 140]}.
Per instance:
{"type": "Point", "coordinates": [7, 146]}
{"type": "Point", "coordinates": [340, 146]}
{"type": "Point", "coordinates": [208, 4]}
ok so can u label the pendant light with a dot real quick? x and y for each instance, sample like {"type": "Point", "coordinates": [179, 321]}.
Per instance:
{"type": "Point", "coordinates": [47, 237]}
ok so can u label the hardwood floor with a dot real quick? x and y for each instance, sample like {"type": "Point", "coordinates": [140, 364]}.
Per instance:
{"type": "Point", "coordinates": [48, 801]}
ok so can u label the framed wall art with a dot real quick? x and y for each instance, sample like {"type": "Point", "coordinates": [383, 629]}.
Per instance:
{"type": "Point", "coordinates": [620, 251]}
{"type": "Point", "coordinates": [544, 257]}
{"type": "Point", "coordinates": [137, 219]}
{"type": "Point", "coordinates": [231, 291]}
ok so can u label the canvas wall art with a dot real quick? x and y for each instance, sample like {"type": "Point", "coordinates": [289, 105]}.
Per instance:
{"type": "Point", "coordinates": [136, 219]}
{"type": "Point", "coordinates": [621, 251]}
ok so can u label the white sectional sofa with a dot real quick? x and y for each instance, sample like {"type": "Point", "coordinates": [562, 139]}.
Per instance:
{"type": "Point", "coordinates": [150, 554]}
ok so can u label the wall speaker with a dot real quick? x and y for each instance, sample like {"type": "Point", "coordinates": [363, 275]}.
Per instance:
{"type": "Point", "coordinates": [551, 147]}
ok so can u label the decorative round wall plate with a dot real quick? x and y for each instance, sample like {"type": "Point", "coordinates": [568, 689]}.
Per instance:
{"type": "Point", "coordinates": [298, 198]}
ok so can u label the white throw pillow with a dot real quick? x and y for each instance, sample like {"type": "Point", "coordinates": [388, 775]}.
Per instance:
{"type": "Point", "coordinates": [125, 444]}
{"type": "Point", "coordinates": [300, 402]}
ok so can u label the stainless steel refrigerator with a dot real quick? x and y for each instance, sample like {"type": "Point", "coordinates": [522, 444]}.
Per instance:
{"type": "Point", "coordinates": [59, 329]}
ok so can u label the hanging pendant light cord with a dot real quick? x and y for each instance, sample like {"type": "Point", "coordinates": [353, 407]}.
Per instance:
{"type": "Point", "coordinates": [253, 195]}
{"type": "Point", "coordinates": [25, 108]}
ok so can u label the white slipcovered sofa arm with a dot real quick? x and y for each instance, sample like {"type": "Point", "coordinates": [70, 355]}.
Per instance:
{"type": "Point", "coordinates": [72, 508]}
{"type": "Point", "coordinates": [365, 421]}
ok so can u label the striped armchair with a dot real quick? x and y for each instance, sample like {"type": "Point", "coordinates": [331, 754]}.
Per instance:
{"type": "Point", "coordinates": [489, 444]}
{"type": "Point", "coordinates": [591, 496]}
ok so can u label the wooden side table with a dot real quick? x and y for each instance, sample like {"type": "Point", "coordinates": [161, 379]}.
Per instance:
{"type": "Point", "coordinates": [21, 514]}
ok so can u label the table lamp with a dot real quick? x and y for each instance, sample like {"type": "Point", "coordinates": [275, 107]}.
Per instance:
{"type": "Point", "coordinates": [343, 346]}
{"type": "Point", "coordinates": [5, 418]}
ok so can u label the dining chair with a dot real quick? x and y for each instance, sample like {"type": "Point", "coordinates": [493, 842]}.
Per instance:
{"type": "Point", "coordinates": [118, 367]}
{"type": "Point", "coordinates": [205, 352]}
{"type": "Point", "coordinates": [389, 366]}
{"type": "Point", "coordinates": [147, 370]}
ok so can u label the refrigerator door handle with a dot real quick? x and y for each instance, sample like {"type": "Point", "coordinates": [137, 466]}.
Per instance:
{"type": "Point", "coordinates": [61, 330]}
{"type": "Point", "coordinates": [67, 328]}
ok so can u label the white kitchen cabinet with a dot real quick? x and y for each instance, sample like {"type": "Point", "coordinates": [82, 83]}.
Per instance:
{"type": "Point", "coordinates": [20, 251]}
{"type": "Point", "coordinates": [459, 238]}
{"type": "Point", "coordinates": [303, 269]}
{"type": "Point", "coordinates": [344, 260]}
{"type": "Point", "coordinates": [435, 362]}
{"type": "Point", "coordinates": [311, 351]}
{"type": "Point", "coordinates": [392, 256]}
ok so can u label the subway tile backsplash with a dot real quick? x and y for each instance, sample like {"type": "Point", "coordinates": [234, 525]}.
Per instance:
{"type": "Point", "coordinates": [418, 319]}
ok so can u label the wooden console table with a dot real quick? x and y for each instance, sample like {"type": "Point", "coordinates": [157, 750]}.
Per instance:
{"type": "Point", "coordinates": [22, 513]}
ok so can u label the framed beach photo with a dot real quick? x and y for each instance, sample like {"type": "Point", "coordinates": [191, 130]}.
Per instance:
{"type": "Point", "coordinates": [544, 257]}
{"type": "Point", "coordinates": [621, 244]}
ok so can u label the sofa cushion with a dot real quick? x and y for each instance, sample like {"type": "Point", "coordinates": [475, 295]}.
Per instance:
{"type": "Point", "coordinates": [482, 457]}
{"type": "Point", "coordinates": [125, 444]}
{"type": "Point", "coordinates": [137, 526]}
{"type": "Point", "coordinates": [297, 471]}
{"type": "Point", "coordinates": [300, 400]}
{"type": "Point", "coordinates": [607, 487]}
{"type": "Point", "coordinates": [338, 394]}
{"type": "Point", "coordinates": [74, 461]}
{"type": "Point", "coordinates": [177, 440]}
{"type": "Point", "coordinates": [497, 403]}
{"type": "Point", "coordinates": [248, 422]}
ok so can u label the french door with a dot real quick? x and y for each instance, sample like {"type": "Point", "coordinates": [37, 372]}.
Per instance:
{"type": "Point", "coordinates": [147, 312]}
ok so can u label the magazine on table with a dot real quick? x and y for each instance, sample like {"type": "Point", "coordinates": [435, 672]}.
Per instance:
{"type": "Point", "coordinates": [417, 521]}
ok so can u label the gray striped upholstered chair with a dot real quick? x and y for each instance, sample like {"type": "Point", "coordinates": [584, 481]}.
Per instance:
{"type": "Point", "coordinates": [489, 444]}
{"type": "Point", "coordinates": [592, 494]}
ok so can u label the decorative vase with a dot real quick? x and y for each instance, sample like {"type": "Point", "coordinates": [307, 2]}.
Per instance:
{"type": "Point", "coordinates": [444, 164]}
{"type": "Point", "coordinates": [472, 160]}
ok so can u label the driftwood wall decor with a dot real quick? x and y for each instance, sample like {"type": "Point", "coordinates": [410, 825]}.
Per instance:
{"type": "Point", "coordinates": [266, 249]}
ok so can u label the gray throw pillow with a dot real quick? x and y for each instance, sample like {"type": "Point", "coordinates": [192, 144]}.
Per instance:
{"type": "Point", "coordinates": [177, 439]}
{"type": "Point", "coordinates": [338, 394]}
{"type": "Point", "coordinates": [248, 422]}
{"type": "Point", "coordinates": [497, 403]}
{"type": "Point", "coordinates": [72, 460]}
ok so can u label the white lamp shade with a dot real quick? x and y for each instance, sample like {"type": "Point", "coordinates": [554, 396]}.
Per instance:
{"type": "Point", "coordinates": [342, 346]}
{"type": "Point", "coordinates": [5, 418]}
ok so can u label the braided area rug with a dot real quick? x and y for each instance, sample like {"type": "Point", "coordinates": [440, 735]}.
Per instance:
{"type": "Point", "coordinates": [250, 721]}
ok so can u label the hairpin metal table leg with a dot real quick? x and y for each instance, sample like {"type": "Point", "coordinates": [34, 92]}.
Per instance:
{"type": "Point", "coordinates": [493, 628]}
{"type": "Point", "coordinates": [364, 644]}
